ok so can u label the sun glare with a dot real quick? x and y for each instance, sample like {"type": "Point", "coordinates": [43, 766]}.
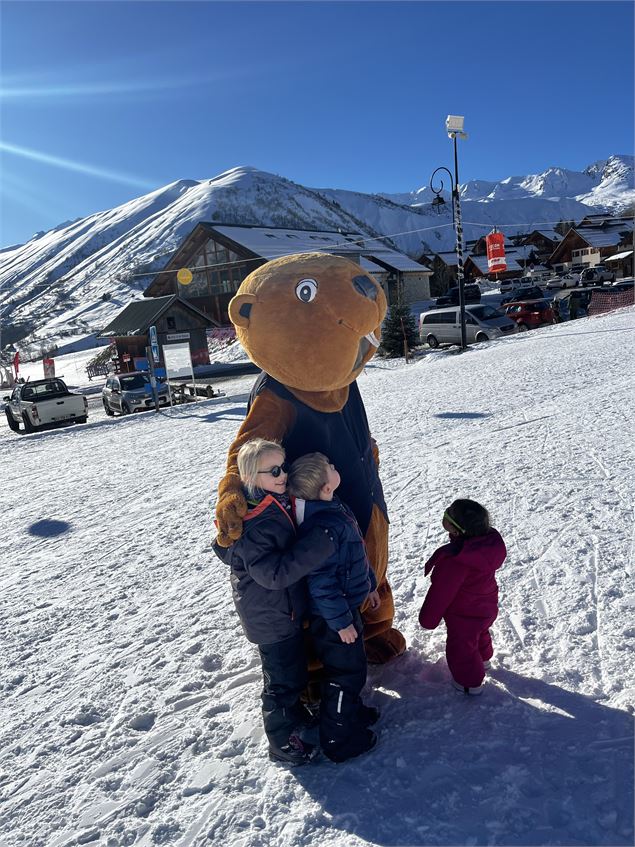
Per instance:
{"type": "Point", "coordinates": [79, 167]}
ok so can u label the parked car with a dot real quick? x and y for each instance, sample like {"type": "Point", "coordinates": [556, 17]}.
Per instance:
{"type": "Point", "coordinates": [533, 293]}
{"type": "Point", "coordinates": [530, 314]}
{"type": "Point", "coordinates": [622, 285]}
{"type": "Point", "coordinates": [509, 285]}
{"type": "Point", "coordinates": [568, 280]}
{"type": "Point", "coordinates": [132, 392]}
{"type": "Point", "coordinates": [472, 295]}
{"type": "Point", "coordinates": [596, 276]}
{"type": "Point", "coordinates": [42, 402]}
{"type": "Point", "coordinates": [482, 323]}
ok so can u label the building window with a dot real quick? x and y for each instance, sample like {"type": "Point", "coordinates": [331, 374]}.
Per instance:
{"type": "Point", "coordinates": [171, 323]}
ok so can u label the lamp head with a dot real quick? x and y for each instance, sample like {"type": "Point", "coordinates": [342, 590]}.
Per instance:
{"type": "Point", "coordinates": [437, 203]}
{"type": "Point", "coordinates": [454, 123]}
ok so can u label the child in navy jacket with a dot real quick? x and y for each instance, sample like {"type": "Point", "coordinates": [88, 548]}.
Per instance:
{"type": "Point", "coordinates": [464, 593]}
{"type": "Point", "coordinates": [337, 588]}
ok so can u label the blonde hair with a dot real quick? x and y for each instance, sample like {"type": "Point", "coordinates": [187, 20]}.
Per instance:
{"type": "Point", "coordinates": [248, 457]}
{"type": "Point", "coordinates": [307, 475]}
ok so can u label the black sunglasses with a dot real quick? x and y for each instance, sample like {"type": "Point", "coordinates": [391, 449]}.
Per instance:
{"type": "Point", "coordinates": [276, 470]}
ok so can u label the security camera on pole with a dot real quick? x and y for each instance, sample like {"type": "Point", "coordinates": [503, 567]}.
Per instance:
{"type": "Point", "coordinates": [454, 127]}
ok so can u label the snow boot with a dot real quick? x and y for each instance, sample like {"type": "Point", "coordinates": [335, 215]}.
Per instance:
{"type": "Point", "coordinates": [474, 691]}
{"type": "Point", "coordinates": [368, 715]}
{"type": "Point", "coordinates": [361, 742]}
{"type": "Point", "coordinates": [296, 752]}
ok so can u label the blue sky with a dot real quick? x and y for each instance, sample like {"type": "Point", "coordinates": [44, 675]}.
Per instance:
{"type": "Point", "coordinates": [103, 101]}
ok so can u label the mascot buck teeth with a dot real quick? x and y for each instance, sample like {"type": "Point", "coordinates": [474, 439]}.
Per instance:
{"type": "Point", "coordinates": [312, 321]}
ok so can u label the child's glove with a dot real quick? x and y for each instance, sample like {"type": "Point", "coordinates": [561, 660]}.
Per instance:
{"type": "Point", "coordinates": [230, 510]}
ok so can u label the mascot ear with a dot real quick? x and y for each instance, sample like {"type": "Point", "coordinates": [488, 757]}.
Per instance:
{"type": "Point", "coordinates": [239, 309]}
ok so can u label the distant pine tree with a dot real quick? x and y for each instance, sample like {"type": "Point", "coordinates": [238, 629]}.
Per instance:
{"type": "Point", "coordinates": [399, 321]}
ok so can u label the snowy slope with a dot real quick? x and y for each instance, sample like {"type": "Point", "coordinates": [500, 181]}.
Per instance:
{"type": "Point", "coordinates": [74, 278]}
{"type": "Point", "coordinates": [129, 708]}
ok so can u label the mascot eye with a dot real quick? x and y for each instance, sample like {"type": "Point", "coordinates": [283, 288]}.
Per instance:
{"type": "Point", "coordinates": [306, 290]}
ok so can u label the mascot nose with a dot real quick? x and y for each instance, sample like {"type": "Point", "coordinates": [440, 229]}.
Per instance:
{"type": "Point", "coordinates": [365, 286]}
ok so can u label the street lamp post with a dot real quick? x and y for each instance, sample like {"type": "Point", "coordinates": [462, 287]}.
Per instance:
{"type": "Point", "coordinates": [454, 128]}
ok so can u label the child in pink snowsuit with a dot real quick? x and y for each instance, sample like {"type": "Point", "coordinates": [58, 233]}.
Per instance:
{"type": "Point", "coordinates": [463, 591]}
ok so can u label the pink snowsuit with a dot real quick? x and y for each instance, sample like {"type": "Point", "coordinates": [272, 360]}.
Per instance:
{"type": "Point", "coordinates": [463, 591]}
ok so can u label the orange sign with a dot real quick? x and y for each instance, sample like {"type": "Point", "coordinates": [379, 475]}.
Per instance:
{"type": "Point", "coordinates": [495, 242]}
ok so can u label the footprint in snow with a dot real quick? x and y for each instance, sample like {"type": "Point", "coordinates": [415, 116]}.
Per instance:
{"type": "Point", "coordinates": [142, 722]}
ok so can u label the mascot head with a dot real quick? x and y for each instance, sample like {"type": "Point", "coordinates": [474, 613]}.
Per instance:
{"type": "Point", "coordinates": [311, 320]}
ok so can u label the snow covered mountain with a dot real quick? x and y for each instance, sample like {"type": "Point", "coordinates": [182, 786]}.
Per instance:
{"type": "Point", "coordinates": [72, 279]}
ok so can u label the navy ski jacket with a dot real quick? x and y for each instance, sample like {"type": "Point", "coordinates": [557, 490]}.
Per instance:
{"type": "Point", "coordinates": [342, 583]}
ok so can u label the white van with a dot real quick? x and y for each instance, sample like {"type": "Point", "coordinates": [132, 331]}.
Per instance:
{"type": "Point", "coordinates": [482, 323]}
{"type": "Point", "coordinates": [509, 285]}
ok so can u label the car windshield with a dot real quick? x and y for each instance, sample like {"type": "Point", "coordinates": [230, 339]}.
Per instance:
{"type": "Point", "coordinates": [484, 313]}
{"type": "Point", "coordinates": [129, 383]}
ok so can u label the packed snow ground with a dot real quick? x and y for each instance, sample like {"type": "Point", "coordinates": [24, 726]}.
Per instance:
{"type": "Point", "coordinates": [129, 708]}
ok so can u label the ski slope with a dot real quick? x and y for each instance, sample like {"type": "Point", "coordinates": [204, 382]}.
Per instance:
{"type": "Point", "coordinates": [129, 712]}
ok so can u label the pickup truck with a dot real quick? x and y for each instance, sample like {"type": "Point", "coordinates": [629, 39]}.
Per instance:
{"type": "Point", "coordinates": [42, 402]}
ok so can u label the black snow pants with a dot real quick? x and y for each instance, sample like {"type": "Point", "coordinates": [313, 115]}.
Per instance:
{"type": "Point", "coordinates": [343, 677]}
{"type": "Point", "coordinates": [284, 672]}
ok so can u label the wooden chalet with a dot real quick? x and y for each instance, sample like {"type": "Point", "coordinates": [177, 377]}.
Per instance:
{"type": "Point", "coordinates": [444, 268]}
{"type": "Point", "coordinates": [176, 320]}
{"type": "Point", "coordinates": [593, 240]}
{"type": "Point", "coordinates": [220, 256]}
{"type": "Point", "coordinates": [545, 242]}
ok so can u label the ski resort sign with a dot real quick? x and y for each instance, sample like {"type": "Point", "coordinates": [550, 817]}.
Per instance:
{"type": "Point", "coordinates": [178, 361]}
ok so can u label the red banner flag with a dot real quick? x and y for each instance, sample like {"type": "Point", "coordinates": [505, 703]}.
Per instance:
{"type": "Point", "coordinates": [495, 242]}
{"type": "Point", "coordinates": [16, 363]}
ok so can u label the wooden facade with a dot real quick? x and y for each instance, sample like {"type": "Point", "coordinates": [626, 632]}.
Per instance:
{"type": "Point", "coordinates": [176, 321]}
{"type": "Point", "coordinates": [218, 267]}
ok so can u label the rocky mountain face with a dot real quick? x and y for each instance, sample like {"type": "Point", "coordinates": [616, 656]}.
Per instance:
{"type": "Point", "coordinates": [72, 279]}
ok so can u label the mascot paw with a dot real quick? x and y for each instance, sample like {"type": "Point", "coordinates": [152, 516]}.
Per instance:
{"type": "Point", "coordinates": [230, 511]}
{"type": "Point", "coordinates": [384, 647]}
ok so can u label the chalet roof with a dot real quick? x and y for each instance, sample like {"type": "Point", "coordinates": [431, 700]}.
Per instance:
{"type": "Point", "coordinates": [551, 234]}
{"type": "Point", "coordinates": [521, 251]}
{"type": "Point", "coordinates": [602, 237]}
{"type": "Point", "coordinates": [370, 266]}
{"type": "Point", "coordinates": [449, 258]}
{"type": "Point", "coordinates": [274, 242]}
{"type": "Point", "coordinates": [619, 256]}
{"type": "Point", "coordinates": [137, 317]}
{"type": "Point", "coordinates": [604, 220]}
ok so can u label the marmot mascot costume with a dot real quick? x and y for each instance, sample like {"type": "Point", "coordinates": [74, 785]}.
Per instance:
{"type": "Point", "coordinates": [311, 321]}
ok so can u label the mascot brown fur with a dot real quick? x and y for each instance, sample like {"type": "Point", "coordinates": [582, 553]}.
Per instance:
{"type": "Point", "coordinates": [312, 321]}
